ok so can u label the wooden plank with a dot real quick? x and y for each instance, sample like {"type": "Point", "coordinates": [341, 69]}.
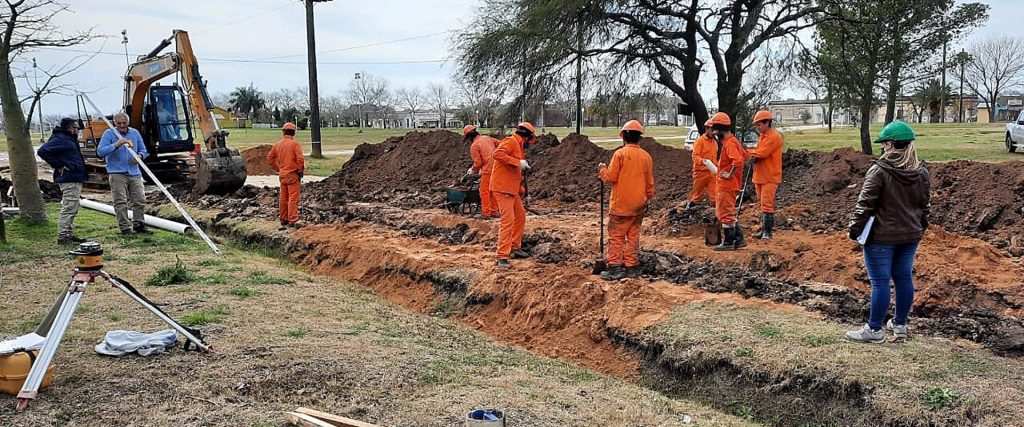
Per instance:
{"type": "Point", "coordinates": [303, 420]}
{"type": "Point", "coordinates": [334, 420]}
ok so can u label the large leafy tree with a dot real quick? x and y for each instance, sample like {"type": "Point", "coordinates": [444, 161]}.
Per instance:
{"type": "Point", "coordinates": [25, 25]}
{"type": "Point", "coordinates": [523, 43]}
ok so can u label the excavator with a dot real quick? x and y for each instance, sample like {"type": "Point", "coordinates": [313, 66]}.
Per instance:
{"type": "Point", "coordinates": [165, 115]}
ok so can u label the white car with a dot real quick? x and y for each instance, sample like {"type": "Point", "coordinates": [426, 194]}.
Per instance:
{"type": "Point", "coordinates": [691, 137]}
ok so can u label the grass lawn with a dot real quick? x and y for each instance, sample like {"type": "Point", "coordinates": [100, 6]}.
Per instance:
{"type": "Point", "coordinates": [282, 338]}
{"type": "Point", "coordinates": [938, 142]}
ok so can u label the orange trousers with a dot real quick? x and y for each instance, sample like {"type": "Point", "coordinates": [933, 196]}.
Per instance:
{"type": "Point", "coordinates": [766, 196]}
{"type": "Point", "coordinates": [488, 203]}
{"type": "Point", "coordinates": [624, 239]}
{"type": "Point", "coordinates": [513, 222]}
{"type": "Point", "coordinates": [725, 206]}
{"type": "Point", "coordinates": [701, 183]}
{"type": "Point", "coordinates": [289, 202]}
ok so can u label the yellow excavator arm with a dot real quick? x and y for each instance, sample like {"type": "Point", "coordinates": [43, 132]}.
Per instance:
{"type": "Point", "coordinates": [218, 169]}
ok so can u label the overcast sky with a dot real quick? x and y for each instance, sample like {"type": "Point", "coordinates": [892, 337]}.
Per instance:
{"type": "Point", "coordinates": [263, 41]}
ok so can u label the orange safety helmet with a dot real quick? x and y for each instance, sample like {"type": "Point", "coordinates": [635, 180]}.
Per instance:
{"type": "Point", "coordinates": [708, 123]}
{"type": "Point", "coordinates": [720, 118]}
{"type": "Point", "coordinates": [631, 125]}
{"type": "Point", "coordinates": [288, 125]}
{"type": "Point", "coordinates": [528, 126]}
{"type": "Point", "coordinates": [467, 129]}
{"type": "Point", "coordinates": [762, 115]}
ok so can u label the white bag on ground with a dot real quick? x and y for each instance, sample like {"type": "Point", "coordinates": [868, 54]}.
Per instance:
{"type": "Point", "coordinates": [30, 341]}
{"type": "Point", "coordinates": [120, 343]}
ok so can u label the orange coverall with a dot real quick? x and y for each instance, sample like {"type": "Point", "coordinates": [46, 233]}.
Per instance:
{"type": "Point", "coordinates": [506, 177]}
{"type": "Point", "coordinates": [767, 169]}
{"type": "Point", "coordinates": [631, 174]}
{"type": "Point", "coordinates": [482, 152]}
{"type": "Point", "coordinates": [286, 158]}
{"type": "Point", "coordinates": [733, 156]}
{"type": "Point", "coordinates": [703, 148]}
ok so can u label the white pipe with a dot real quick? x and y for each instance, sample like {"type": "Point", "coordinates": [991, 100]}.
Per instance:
{"type": "Point", "coordinates": [154, 221]}
{"type": "Point", "coordinates": [159, 185]}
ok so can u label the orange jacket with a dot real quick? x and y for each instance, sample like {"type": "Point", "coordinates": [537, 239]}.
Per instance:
{"type": "Point", "coordinates": [286, 158]}
{"type": "Point", "coordinates": [704, 148]}
{"type": "Point", "coordinates": [733, 156]}
{"type": "Point", "coordinates": [505, 173]}
{"type": "Point", "coordinates": [631, 174]}
{"type": "Point", "coordinates": [482, 152]}
{"type": "Point", "coordinates": [768, 169]}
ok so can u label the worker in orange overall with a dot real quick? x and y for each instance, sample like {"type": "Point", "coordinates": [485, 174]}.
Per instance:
{"type": "Point", "coordinates": [286, 158]}
{"type": "Point", "coordinates": [506, 186]}
{"type": "Point", "coordinates": [767, 170]}
{"type": "Point", "coordinates": [482, 151]}
{"type": "Point", "coordinates": [730, 180]}
{"type": "Point", "coordinates": [631, 174]}
{"type": "Point", "coordinates": [705, 157]}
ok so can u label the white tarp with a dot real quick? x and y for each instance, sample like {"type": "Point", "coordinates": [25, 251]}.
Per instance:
{"type": "Point", "coordinates": [28, 341]}
{"type": "Point", "coordinates": [120, 343]}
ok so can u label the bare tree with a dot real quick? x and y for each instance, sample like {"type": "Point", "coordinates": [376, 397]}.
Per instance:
{"type": "Point", "coordinates": [362, 92]}
{"type": "Point", "coordinates": [997, 67]}
{"type": "Point", "coordinates": [384, 99]}
{"type": "Point", "coordinates": [440, 98]}
{"type": "Point", "coordinates": [24, 25]}
{"type": "Point", "coordinates": [51, 83]}
{"type": "Point", "coordinates": [412, 99]}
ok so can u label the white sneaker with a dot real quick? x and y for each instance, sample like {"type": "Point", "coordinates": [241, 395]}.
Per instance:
{"type": "Point", "coordinates": [865, 334]}
{"type": "Point", "coordinates": [898, 331]}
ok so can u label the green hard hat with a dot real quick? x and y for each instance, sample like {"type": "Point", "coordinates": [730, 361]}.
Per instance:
{"type": "Point", "coordinates": [898, 130]}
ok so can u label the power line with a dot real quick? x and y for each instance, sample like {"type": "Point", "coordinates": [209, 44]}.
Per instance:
{"type": "Point", "coordinates": [239, 20]}
{"type": "Point", "coordinates": [422, 36]}
{"type": "Point", "coordinates": [262, 61]}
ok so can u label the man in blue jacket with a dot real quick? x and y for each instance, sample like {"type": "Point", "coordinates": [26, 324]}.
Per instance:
{"type": "Point", "coordinates": [61, 152]}
{"type": "Point", "coordinates": [125, 177]}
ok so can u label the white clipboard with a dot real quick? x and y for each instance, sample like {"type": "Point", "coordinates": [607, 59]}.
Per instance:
{"type": "Point", "coordinates": [863, 238]}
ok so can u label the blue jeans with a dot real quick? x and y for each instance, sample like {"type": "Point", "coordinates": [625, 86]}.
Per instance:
{"type": "Point", "coordinates": [890, 263]}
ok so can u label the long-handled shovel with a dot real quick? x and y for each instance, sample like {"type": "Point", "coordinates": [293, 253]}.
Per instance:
{"type": "Point", "coordinates": [601, 264]}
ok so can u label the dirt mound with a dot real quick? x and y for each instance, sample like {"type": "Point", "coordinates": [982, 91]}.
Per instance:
{"type": "Point", "coordinates": [565, 171]}
{"type": "Point", "coordinates": [256, 160]}
{"type": "Point", "coordinates": [51, 190]}
{"type": "Point", "coordinates": [979, 199]}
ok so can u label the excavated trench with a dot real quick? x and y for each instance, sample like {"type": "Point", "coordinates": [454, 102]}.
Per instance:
{"type": "Point", "coordinates": [369, 224]}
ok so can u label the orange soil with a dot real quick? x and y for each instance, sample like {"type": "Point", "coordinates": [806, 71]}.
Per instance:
{"type": "Point", "coordinates": [559, 311]}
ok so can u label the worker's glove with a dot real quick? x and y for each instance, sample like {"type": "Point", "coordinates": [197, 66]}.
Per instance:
{"type": "Point", "coordinates": [470, 171]}
{"type": "Point", "coordinates": [726, 175]}
{"type": "Point", "coordinates": [711, 166]}
{"type": "Point", "coordinates": [523, 165]}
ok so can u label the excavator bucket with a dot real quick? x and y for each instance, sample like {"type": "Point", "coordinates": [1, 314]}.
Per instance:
{"type": "Point", "coordinates": [219, 171]}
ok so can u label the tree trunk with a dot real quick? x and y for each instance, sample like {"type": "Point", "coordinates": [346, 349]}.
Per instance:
{"type": "Point", "coordinates": [890, 97]}
{"type": "Point", "coordinates": [865, 126]}
{"type": "Point", "coordinates": [19, 147]}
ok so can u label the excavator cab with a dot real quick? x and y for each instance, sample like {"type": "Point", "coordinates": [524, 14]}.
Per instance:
{"type": "Point", "coordinates": [165, 121]}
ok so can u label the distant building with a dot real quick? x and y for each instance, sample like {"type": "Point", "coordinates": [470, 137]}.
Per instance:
{"type": "Point", "coordinates": [228, 120]}
{"type": "Point", "coordinates": [1007, 109]}
{"type": "Point", "coordinates": [792, 112]}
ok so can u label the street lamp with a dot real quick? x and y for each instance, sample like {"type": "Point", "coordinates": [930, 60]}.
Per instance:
{"type": "Point", "coordinates": [359, 109]}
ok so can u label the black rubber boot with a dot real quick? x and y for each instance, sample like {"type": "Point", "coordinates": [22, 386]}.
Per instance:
{"type": "Point", "coordinates": [768, 231]}
{"type": "Point", "coordinates": [729, 242]}
{"type": "Point", "coordinates": [740, 241]}
{"type": "Point", "coordinates": [633, 272]}
{"type": "Point", "coordinates": [614, 272]}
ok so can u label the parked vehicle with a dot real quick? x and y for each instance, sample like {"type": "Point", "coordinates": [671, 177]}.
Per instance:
{"type": "Point", "coordinates": [1015, 134]}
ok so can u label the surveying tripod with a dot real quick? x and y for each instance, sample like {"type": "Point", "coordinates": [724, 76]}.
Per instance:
{"type": "Point", "coordinates": [89, 266]}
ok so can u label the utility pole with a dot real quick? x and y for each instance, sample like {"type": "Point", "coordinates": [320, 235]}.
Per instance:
{"type": "Point", "coordinates": [314, 93]}
{"type": "Point", "coordinates": [960, 112]}
{"type": "Point", "coordinates": [579, 78]}
{"type": "Point", "coordinates": [124, 41]}
{"type": "Point", "coordinates": [942, 104]}
{"type": "Point", "coordinates": [359, 109]}
{"type": "Point", "coordinates": [39, 102]}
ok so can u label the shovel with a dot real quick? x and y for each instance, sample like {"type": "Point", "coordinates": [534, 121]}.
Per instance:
{"type": "Point", "coordinates": [601, 264]}
{"type": "Point", "coordinates": [526, 195]}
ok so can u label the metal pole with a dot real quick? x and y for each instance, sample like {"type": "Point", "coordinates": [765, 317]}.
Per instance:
{"type": "Point", "coordinates": [166, 319]}
{"type": "Point", "coordinates": [124, 41]}
{"type": "Point", "coordinates": [39, 102]}
{"type": "Point", "coordinates": [156, 181]}
{"type": "Point", "coordinates": [960, 111]}
{"type": "Point", "coordinates": [942, 105]}
{"type": "Point", "coordinates": [314, 94]}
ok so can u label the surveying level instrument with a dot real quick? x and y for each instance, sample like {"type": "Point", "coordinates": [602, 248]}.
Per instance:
{"type": "Point", "coordinates": [88, 266]}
